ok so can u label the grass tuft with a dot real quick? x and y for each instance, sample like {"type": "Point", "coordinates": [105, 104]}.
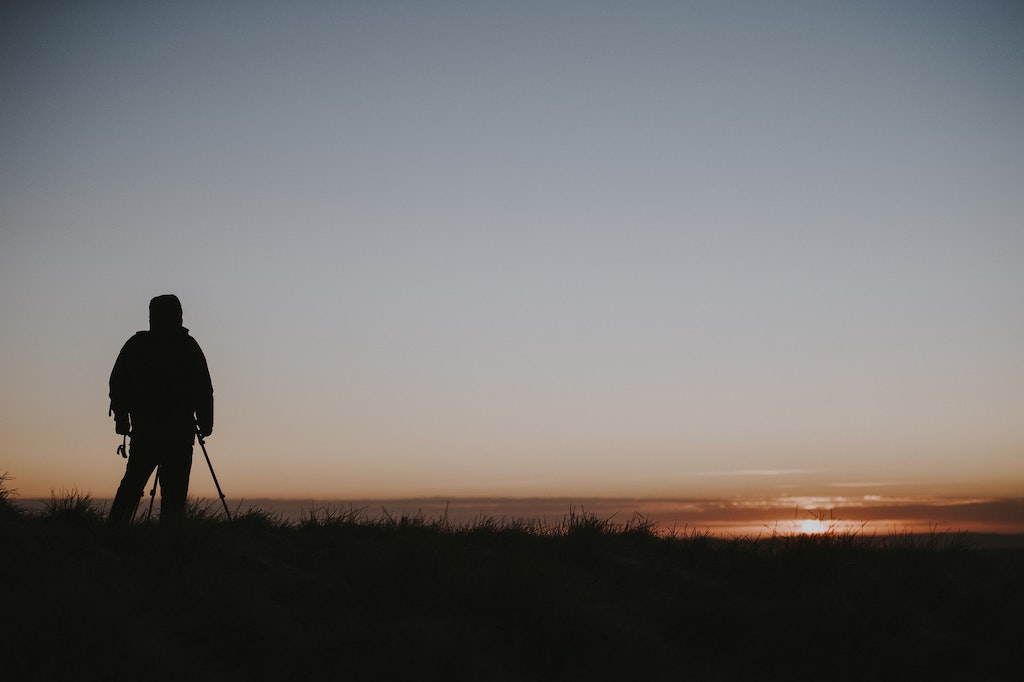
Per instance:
{"type": "Point", "coordinates": [74, 508]}
{"type": "Point", "coordinates": [327, 516]}
{"type": "Point", "coordinates": [935, 540]}
{"type": "Point", "coordinates": [7, 494]}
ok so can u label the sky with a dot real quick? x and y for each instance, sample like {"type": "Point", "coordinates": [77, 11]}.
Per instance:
{"type": "Point", "coordinates": [644, 249]}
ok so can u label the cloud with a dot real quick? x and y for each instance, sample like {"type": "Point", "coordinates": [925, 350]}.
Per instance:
{"type": "Point", "coordinates": [758, 472]}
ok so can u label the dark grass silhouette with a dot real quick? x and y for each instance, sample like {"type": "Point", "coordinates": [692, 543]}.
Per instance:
{"type": "Point", "coordinates": [343, 594]}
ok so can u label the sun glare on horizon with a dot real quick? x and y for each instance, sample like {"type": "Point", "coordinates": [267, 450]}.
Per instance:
{"type": "Point", "coordinates": [814, 527]}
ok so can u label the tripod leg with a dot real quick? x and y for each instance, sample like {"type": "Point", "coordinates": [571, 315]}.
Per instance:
{"type": "Point", "coordinates": [142, 495]}
{"type": "Point", "coordinates": [202, 444]}
{"type": "Point", "coordinates": [152, 494]}
{"type": "Point", "coordinates": [135, 509]}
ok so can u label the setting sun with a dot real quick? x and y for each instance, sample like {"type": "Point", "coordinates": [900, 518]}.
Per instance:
{"type": "Point", "coordinates": [813, 527]}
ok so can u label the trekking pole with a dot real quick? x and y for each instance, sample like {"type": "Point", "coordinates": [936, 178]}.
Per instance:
{"type": "Point", "coordinates": [202, 444]}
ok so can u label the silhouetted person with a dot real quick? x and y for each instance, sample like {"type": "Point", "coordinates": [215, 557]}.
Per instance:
{"type": "Point", "coordinates": [160, 390]}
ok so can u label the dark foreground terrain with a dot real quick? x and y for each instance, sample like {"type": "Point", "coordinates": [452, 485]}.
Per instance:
{"type": "Point", "coordinates": [343, 596]}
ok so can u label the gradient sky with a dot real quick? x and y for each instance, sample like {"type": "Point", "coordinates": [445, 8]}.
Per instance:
{"type": "Point", "coordinates": [524, 248]}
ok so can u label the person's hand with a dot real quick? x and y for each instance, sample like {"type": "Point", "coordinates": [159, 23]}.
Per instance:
{"type": "Point", "coordinates": [122, 427]}
{"type": "Point", "coordinates": [205, 431]}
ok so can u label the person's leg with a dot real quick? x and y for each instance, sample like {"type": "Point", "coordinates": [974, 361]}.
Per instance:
{"type": "Point", "coordinates": [133, 484]}
{"type": "Point", "coordinates": [175, 467]}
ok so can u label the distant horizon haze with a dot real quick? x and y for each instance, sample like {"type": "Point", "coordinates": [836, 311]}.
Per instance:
{"type": "Point", "coordinates": [736, 516]}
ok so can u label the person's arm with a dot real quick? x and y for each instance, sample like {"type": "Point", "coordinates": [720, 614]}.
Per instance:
{"type": "Point", "coordinates": [121, 388]}
{"type": "Point", "coordinates": [203, 394]}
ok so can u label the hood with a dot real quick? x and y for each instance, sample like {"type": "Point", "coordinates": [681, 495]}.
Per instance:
{"type": "Point", "coordinates": [165, 313]}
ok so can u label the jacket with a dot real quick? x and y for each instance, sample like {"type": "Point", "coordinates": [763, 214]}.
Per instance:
{"type": "Point", "coordinates": [161, 382]}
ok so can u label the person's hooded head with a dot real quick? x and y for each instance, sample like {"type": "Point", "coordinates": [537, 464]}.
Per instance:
{"type": "Point", "coordinates": [165, 313]}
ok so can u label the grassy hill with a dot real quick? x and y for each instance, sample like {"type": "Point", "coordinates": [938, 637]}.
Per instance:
{"type": "Point", "coordinates": [341, 595]}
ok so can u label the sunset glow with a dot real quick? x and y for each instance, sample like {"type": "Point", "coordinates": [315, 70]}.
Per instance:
{"type": "Point", "coordinates": [760, 261]}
